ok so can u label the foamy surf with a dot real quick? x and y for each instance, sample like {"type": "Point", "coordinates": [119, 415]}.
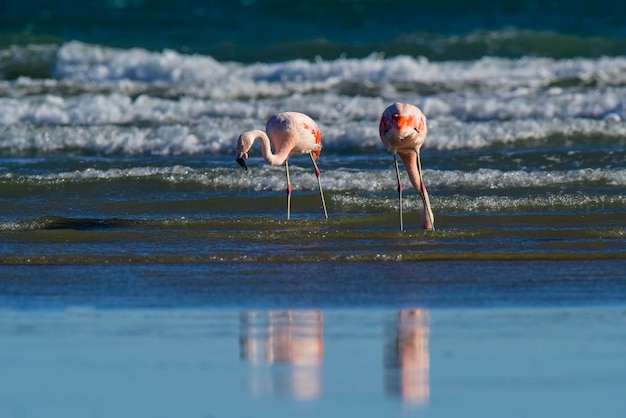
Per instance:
{"type": "Point", "coordinates": [46, 128]}
{"type": "Point", "coordinates": [133, 101]}
{"type": "Point", "coordinates": [263, 177]}
{"type": "Point", "coordinates": [122, 144]}
{"type": "Point", "coordinates": [135, 253]}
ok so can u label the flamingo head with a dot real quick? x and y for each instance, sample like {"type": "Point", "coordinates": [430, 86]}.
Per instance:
{"type": "Point", "coordinates": [399, 125]}
{"type": "Point", "coordinates": [402, 126]}
{"type": "Point", "coordinates": [244, 143]}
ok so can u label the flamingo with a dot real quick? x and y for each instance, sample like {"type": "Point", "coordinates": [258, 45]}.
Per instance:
{"type": "Point", "coordinates": [403, 131]}
{"type": "Point", "coordinates": [290, 133]}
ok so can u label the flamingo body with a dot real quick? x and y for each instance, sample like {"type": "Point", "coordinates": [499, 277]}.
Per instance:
{"type": "Point", "coordinates": [403, 130]}
{"type": "Point", "coordinates": [290, 134]}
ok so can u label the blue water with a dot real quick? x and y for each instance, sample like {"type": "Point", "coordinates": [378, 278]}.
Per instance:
{"type": "Point", "coordinates": [124, 363]}
{"type": "Point", "coordinates": [143, 273]}
{"type": "Point", "coordinates": [444, 284]}
{"type": "Point", "coordinates": [280, 30]}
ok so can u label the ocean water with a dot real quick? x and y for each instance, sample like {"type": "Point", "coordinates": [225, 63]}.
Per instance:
{"type": "Point", "coordinates": [121, 202]}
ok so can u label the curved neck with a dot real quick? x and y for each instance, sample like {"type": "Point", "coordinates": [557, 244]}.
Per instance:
{"type": "Point", "coordinates": [410, 163]}
{"type": "Point", "coordinates": [409, 158]}
{"type": "Point", "coordinates": [266, 149]}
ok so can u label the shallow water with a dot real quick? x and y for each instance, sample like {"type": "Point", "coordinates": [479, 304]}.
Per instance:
{"type": "Point", "coordinates": [143, 273]}
{"type": "Point", "coordinates": [487, 363]}
{"type": "Point", "coordinates": [248, 284]}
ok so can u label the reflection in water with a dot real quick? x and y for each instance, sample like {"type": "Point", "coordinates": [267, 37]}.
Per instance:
{"type": "Point", "coordinates": [407, 359]}
{"type": "Point", "coordinates": [289, 341]}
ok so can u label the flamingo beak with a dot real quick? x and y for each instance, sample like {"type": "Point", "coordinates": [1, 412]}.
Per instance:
{"type": "Point", "coordinates": [242, 163]}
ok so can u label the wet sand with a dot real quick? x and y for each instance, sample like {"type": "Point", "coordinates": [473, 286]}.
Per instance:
{"type": "Point", "coordinates": [512, 362]}
{"type": "Point", "coordinates": [473, 339]}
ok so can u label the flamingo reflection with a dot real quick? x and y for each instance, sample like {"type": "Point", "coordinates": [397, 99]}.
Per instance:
{"type": "Point", "coordinates": [407, 360]}
{"type": "Point", "coordinates": [291, 338]}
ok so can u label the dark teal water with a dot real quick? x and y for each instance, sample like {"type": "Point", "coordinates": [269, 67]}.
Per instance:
{"type": "Point", "coordinates": [280, 30]}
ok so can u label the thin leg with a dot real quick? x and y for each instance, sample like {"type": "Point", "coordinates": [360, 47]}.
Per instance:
{"type": "Point", "coordinates": [288, 190]}
{"type": "Point", "coordinates": [395, 161]}
{"type": "Point", "coordinates": [424, 193]}
{"type": "Point", "coordinates": [319, 181]}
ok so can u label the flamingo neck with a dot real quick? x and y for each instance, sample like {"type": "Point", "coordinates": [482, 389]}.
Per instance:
{"type": "Point", "coordinates": [277, 158]}
{"type": "Point", "coordinates": [409, 158]}
{"type": "Point", "coordinates": [410, 163]}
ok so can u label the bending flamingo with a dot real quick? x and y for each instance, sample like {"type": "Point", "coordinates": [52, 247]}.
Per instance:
{"type": "Point", "coordinates": [290, 133]}
{"type": "Point", "coordinates": [403, 131]}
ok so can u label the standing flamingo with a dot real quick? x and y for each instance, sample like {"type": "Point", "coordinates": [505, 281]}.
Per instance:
{"type": "Point", "coordinates": [403, 131]}
{"type": "Point", "coordinates": [290, 133]}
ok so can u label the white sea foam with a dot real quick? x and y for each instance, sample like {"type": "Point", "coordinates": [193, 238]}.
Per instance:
{"type": "Point", "coordinates": [85, 62]}
{"type": "Point", "coordinates": [343, 180]}
{"type": "Point", "coordinates": [329, 109]}
{"type": "Point", "coordinates": [218, 134]}
{"type": "Point", "coordinates": [79, 61]}
{"type": "Point", "coordinates": [495, 179]}
{"type": "Point", "coordinates": [173, 139]}
{"type": "Point", "coordinates": [339, 180]}
{"type": "Point", "coordinates": [135, 101]}
{"type": "Point", "coordinates": [486, 203]}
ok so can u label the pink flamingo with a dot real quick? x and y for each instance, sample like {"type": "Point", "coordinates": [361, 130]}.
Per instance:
{"type": "Point", "coordinates": [403, 131]}
{"type": "Point", "coordinates": [290, 133]}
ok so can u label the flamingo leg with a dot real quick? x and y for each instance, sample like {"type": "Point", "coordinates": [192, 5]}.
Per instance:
{"type": "Point", "coordinates": [288, 190]}
{"type": "Point", "coordinates": [395, 161]}
{"type": "Point", "coordinates": [423, 192]}
{"type": "Point", "coordinates": [319, 182]}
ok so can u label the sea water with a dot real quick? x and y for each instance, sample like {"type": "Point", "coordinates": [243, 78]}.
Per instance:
{"type": "Point", "coordinates": [137, 257]}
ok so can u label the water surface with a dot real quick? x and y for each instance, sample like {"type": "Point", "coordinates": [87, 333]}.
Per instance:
{"type": "Point", "coordinates": [143, 273]}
